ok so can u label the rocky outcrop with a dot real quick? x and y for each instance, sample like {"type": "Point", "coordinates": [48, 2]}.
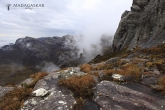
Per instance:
{"type": "Point", "coordinates": [33, 51]}
{"type": "Point", "coordinates": [108, 95]}
{"type": "Point", "coordinates": [48, 95]}
{"type": "Point", "coordinates": [111, 96]}
{"type": "Point", "coordinates": [143, 26]}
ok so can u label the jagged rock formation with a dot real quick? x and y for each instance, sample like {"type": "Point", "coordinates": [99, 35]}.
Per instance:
{"type": "Point", "coordinates": [143, 26]}
{"type": "Point", "coordinates": [33, 51]}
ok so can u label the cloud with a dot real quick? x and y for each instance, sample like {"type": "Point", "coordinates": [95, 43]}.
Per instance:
{"type": "Point", "coordinates": [49, 67]}
{"type": "Point", "coordinates": [60, 17]}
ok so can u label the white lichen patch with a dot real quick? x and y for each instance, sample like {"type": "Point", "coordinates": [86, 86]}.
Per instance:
{"type": "Point", "coordinates": [61, 102]}
{"type": "Point", "coordinates": [117, 76]}
{"type": "Point", "coordinates": [40, 92]}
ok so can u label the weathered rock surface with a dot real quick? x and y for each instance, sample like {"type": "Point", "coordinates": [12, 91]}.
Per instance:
{"type": "Point", "coordinates": [4, 90]}
{"type": "Point", "coordinates": [143, 26]}
{"type": "Point", "coordinates": [59, 98]}
{"type": "Point", "coordinates": [111, 96]}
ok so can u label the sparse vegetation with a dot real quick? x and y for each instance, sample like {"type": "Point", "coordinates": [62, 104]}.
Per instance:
{"type": "Point", "coordinates": [122, 53]}
{"type": "Point", "coordinates": [131, 70]}
{"type": "Point", "coordinates": [87, 68]}
{"type": "Point", "coordinates": [14, 99]}
{"type": "Point", "coordinates": [14, 74]}
{"type": "Point", "coordinates": [161, 83]}
{"type": "Point", "coordinates": [81, 86]}
{"type": "Point", "coordinates": [36, 77]}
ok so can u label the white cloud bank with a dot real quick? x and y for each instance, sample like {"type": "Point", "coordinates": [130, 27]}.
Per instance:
{"type": "Point", "coordinates": [60, 17]}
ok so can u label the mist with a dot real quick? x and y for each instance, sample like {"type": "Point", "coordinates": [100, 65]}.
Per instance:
{"type": "Point", "coordinates": [89, 47]}
{"type": "Point", "coordinates": [49, 67]}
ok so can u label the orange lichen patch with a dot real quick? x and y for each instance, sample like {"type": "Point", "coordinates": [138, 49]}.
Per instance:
{"type": "Point", "coordinates": [87, 68]}
{"type": "Point", "coordinates": [81, 86]}
{"type": "Point", "coordinates": [161, 83]}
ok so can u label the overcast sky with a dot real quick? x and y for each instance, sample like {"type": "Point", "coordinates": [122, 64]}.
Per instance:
{"type": "Point", "coordinates": [60, 17]}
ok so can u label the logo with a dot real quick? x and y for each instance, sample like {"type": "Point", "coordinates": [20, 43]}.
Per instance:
{"type": "Point", "coordinates": [25, 6]}
{"type": "Point", "coordinates": [8, 6]}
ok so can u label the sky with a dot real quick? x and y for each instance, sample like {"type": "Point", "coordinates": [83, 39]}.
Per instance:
{"type": "Point", "coordinates": [60, 17]}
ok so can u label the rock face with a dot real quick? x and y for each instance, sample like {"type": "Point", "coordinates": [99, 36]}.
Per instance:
{"type": "Point", "coordinates": [111, 96]}
{"type": "Point", "coordinates": [33, 51]}
{"type": "Point", "coordinates": [143, 26]}
{"type": "Point", "coordinates": [4, 90]}
{"type": "Point", "coordinates": [47, 95]}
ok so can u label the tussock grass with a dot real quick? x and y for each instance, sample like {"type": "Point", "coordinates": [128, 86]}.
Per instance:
{"type": "Point", "coordinates": [14, 99]}
{"type": "Point", "coordinates": [81, 86]}
{"type": "Point", "coordinates": [87, 68]}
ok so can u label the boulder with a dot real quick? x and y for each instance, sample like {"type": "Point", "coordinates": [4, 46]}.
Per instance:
{"type": "Point", "coordinates": [111, 96]}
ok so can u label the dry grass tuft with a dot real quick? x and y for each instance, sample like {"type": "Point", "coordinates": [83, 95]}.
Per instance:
{"type": "Point", "coordinates": [161, 83]}
{"type": "Point", "coordinates": [14, 99]}
{"type": "Point", "coordinates": [87, 68]}
{"type": "Point", "coordinates": [99, 66]}
{"type": "Point", "coordinates": [81, 86]}
{"type": "Point", "coordinates": [131, 70]}
{"type": "Point", "coordinates": [36, 77]}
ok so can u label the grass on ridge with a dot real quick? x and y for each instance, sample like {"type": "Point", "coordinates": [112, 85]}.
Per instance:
{"type": "Point", "coordinates": [14, 99]}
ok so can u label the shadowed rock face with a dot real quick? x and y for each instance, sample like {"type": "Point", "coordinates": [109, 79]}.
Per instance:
{"type": "Point", "coordinates": [111, 96]}
{"type": "Point", "coordinates": [143, 26]}
{"type": "Point", "coordinates": [33, 51]}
